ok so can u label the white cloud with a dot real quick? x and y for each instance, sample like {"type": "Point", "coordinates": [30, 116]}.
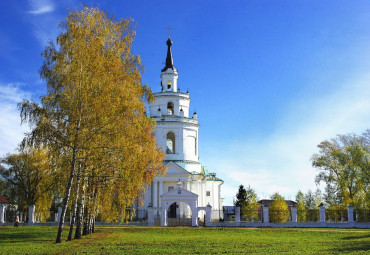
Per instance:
{"type": "Point", "coordinates": [44, 20]}
{"type": "Point", "coordinates": [11, 132]}
{"type": "Point", "coordinates": [45, 31]}
{"type": "Point", "coordinates": [281, 161]}
{"type": "Point", "coordinates": [41, 7]}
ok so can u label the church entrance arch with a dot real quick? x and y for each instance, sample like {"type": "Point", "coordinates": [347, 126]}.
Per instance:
{"type": "Point", "coordinates": [179, 214]}
{"type": "Point", "coordinates": [181, 203]}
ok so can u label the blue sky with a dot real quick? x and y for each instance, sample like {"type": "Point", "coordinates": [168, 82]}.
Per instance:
{"type": "Point", "coordinates": [268, 79]}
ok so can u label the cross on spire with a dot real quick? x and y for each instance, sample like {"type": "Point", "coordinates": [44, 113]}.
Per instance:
{"type": "Point", "coordinates": [169, 31]}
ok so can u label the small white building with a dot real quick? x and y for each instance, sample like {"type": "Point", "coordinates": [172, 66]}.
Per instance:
{"type": "Point", "coordinates": [178, 134]}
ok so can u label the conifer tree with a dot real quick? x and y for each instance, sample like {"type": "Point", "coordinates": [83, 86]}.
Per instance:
{"type": "Point", "coordinates": [246, 199]}
{"type": "Point", "coordinates": [241, 197]}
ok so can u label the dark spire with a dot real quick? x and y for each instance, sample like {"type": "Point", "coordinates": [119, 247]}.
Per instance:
{"type": "Point", "coordinates": [169, 59]}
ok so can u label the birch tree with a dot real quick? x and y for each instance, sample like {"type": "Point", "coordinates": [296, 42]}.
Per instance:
{"type": "Point", "coordinates": [278, 211]}
{"type": "Point", "coordinates": [344, 164]}
{"type": "Point", "coordinates": [30, 173]}
{"type": "Point", "coordinates": [301, 206]}
{"type": "Point", "coordinates": [94, 111]}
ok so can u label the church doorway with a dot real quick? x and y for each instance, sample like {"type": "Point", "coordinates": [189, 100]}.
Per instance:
{"type": "Point", "coordinates": [179, 214]}
{"type": "Point", "coordinates": [171, 212]}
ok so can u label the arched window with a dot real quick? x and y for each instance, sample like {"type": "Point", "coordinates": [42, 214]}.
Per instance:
{"type": "Point", "coordinates": [170, 143]}
{"type": "Point", "coordinates": [169, 85]}
{"type": "Point", "coordinates": [170, 108]}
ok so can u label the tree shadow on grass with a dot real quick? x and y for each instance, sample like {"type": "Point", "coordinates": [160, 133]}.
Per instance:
{"type": "Point", "coordinates": [356, 237]}
{"type": "Point", "coordinates": [353, 246]}
{"type": "Point", "coordinates": [19, 237]}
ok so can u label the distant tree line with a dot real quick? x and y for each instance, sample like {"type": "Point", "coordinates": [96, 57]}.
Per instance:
{"type": "Point", "coordinates": [344, 166]}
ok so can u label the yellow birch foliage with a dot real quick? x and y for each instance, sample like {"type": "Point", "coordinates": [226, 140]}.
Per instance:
{"type": "Point", "coordinates": [278, 211]}
{"type": "Point", "coordinates": [94, 112]}
{"type": "Point", "coordinates": [31, 174]}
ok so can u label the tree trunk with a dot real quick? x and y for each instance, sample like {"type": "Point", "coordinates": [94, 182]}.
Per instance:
{"type": "Point", "coordinates": [86, 229]}
{"type": "Point", "coordinates": [80, 217]}
{"type": "Point", "coordinates": [69, 186]}
{"type": "Point", "coordinates": [93, 225]}
{"type": "Point", "coordinates": [75, 203]}
{"type": "Point", "coordinates": [66, 199]}
{"type": "Point", "coordinates": [89, 226]}
{"type": "Point", "coordinates": [86, 222]}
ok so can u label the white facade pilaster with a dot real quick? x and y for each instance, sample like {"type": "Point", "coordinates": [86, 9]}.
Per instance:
{"type": "Point", "coordinates": [155, 193]}
{"type": "Point", "coordinates": [160, 191]}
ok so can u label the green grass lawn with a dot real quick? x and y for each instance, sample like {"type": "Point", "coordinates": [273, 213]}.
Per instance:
{"type": "Point", "coordinates": [143, 240]}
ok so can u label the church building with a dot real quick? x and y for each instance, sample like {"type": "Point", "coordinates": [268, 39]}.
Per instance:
{"type": "Point", "coordinates": [178, 134]}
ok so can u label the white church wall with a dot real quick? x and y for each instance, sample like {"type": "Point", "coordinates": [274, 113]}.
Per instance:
{"type": "Point", "coordinates": [161, 137]}
{"type": "Point", "coordinates": [186, 142]}
{"type": "Point", "coordinates": [194, 186]}
{"type": "Point", "coordinates": [167, 185]}
{"type": "Point", "coordinates": [180, 100]}
{"type": "Point", "coordinates": [213, 199]}
{"type": "Point", "coordinates": [169, 77]}
{"type": "Point", "coordinates": [147, 196]}
{"type": "Point", "coordinates": [190, 137]}
{"type": "Point", "coordinates": [193, 167]}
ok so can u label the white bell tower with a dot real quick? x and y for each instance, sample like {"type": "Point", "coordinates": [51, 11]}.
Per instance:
{"type": "Point", "coordinates": [176, 131]}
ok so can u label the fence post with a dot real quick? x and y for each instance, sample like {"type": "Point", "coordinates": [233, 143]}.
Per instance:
{"type": "Point", "coordinates": [294, 213]}
{"type": "Point", "coordinates": [56, 217]}
{"type": "Point", "coordinates": [208, 215]}
{"type": "Point", "coordinates": [237, 216]}
{"type": "Point", "coordinates": [266, 214]}
{"type": "Point", "coordinates": [59, 213]}
{"type": "Point", "coordinates": [350, 214]}
{"type": "Point", "coordinates": [163, 216]}
{"type": "Point", "coordinates": [150, 217]}
{"type": "Point", "coordinates": [194, 214]}
{"type": "Point", "coordinates": [2, 213]}
{"type": "Point", "coordinates": [31, 214]}
{"type": "Point", "coordinates": [322, 213]}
